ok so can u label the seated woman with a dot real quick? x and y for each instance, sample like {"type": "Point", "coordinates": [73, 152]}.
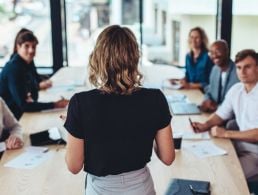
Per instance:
{"type": "Point", "coordinates": [112, 128]}
{"type": "Point", "coordinates": [19, 84]}
{"type": "Point", "coordinates": [43, 83]}
{"type": "Point", "coordinates": [197, 63]}
{"type": "Point", "coordinates": [10, 130]}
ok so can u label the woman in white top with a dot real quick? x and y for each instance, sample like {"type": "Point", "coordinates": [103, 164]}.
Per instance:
{"type": "Point", "coordinates": [10, 124]}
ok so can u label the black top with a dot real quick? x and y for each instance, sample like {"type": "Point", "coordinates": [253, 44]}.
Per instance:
{"type": "Point", "coordinates": [17, 79]}
{"type": "Point", "coordinates": [118, 130]}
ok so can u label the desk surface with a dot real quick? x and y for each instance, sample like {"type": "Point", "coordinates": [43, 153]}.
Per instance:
{"type": "Point", "coordinates": [52, 177]}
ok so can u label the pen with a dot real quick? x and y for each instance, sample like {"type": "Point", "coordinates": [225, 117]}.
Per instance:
{"type": "Point", "coordinates": [191, 123]}
{"type": "Point", "coordinates": [199, 191]}
{"type": "Point", "coordinates": [190, 186]}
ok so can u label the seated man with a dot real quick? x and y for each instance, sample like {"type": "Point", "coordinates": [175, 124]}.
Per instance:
{"type": "Point", "coordinates": [241, 100]}
{"type": "Point", "coordinates": [222, 77]}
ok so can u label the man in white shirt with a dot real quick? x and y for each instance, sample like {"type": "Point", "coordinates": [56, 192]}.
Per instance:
{"type": "Point", "coordinates": [241, 101]}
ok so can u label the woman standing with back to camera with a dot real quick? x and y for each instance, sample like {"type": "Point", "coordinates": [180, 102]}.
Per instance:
{"type": "Point", "coordinates": [112, 128]}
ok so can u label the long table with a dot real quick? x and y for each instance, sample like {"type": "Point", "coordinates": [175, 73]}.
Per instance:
{"type": "Point", "coordinates": [52, 177]}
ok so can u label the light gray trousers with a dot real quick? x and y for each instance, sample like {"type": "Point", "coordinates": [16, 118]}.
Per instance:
{"type": "Point", "coordinates": [137, 182]}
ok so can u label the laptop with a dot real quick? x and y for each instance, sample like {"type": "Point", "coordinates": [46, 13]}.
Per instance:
{"type": "Point", "coordinates": [184, 108]}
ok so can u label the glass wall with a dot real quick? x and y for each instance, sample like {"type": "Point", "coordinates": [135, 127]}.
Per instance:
{"type": "Point", "coordinates": [87, 18]}
{"type": "Point", "coordinates": [31, 14]}
{"type": "Point", "coordinates": [168, 23]}
{"type": "Point", "coordinates": [245, 26]}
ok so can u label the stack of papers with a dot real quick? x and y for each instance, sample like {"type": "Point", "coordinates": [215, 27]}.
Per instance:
{"type": "Point", "coordinates": [32, 157]}
{"type": "Point", "coordinates": [204, 149]}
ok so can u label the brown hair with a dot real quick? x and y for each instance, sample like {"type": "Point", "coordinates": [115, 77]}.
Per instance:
{"type": "Point", "coordinates": [113, 64]}
{"type": "Point", "coordinates": [241, 55]}
{"type": "Point", "coordinates": [204, 38]}
{"type": "Point", "coordinates": [24, 35]}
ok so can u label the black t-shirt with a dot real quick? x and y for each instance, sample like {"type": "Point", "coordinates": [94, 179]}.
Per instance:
{"type": "Point", "coordinates": [118, 130]}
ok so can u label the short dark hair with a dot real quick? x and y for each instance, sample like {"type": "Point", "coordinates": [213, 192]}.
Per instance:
{"type": "Point", "coordinates": [241, 55]}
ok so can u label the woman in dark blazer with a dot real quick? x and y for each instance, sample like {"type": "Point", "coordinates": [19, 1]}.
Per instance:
{"type": "Point", "coordinates": [19, 81]}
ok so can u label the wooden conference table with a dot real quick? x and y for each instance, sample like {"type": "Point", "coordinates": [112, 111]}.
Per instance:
{"type": "Point", "coordinates": [52, 176]}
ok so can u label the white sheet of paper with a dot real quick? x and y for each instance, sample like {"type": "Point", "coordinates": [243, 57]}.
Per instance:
{"type": "Point", "coordinates": [2, 146]}
{"type": "Point", "coordinates": [61, 88]}
{"type": "Point", "coordinates": [32, 157]}
{"type": "Point", "coordinates": [204, 149]}
{"type": "Point", "coordinates": [176, 98]}
{"type": "Point", "coordinates": [54, 133]}
{"type": "Point", "coordinates": [193, 136]}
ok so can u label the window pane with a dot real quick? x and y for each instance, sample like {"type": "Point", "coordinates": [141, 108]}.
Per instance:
{"type": "Point", "coordinates": [245, 26]}
{"type": "Point", "coordinates": [167, 24]}
{"type": "Point", "coordinates": [31, 14]}
{"type": "Point", "coordinates": [87, 18]}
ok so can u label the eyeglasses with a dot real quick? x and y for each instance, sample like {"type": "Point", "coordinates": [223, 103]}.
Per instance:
{"type": "Point", "coordinates": [215, 52]}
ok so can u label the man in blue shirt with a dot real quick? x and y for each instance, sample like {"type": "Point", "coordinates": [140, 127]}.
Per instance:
{"type": "Point", "coordinates": [222, 77]}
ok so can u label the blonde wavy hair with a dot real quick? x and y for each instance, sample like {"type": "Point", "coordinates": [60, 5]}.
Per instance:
{"type": "Point", "coordinates": [113, 64]}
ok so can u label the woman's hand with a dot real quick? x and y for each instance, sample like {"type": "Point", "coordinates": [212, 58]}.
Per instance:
{"type": "Point", "coordinates": [45, 84]}
{"type": "Point", "coordinates": [14, 142]}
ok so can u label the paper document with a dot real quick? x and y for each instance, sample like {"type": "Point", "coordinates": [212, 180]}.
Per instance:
{"type": "Point", "coordinates": [2, 146]}
{"type": "Point", "coordinates": [194, 136]}
{"type": "Point", "coordinates": [32, 157]}
{"type": "Point", "coordinates": [183, 108]}
{"type": "Point", "coordinates": [176, 98]}
{"type": "Point", "coordinates": [204, 149]}
{"type": "Point", "coordinates": [61, 88]}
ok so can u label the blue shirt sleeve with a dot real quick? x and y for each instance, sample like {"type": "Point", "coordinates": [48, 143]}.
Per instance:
{"type": "Point", "coordinates": [187, 64]}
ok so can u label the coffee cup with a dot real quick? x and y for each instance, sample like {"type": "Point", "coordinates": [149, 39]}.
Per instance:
{"type": "Point", "coordinates": [177, 137]}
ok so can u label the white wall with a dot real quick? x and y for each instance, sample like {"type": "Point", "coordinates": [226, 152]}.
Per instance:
{"type": "Point", "coordinates": [244, 34]}
{"type": "Point", "coordinates": [207, 22]}
{"type": "Point", "coordinates": [187, 22]}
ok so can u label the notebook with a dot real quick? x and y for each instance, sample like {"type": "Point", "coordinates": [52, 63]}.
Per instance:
{"type": "Point", "coordinates": [184, 108]}
{"type": "Point", "coordinates": [188, 187]}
